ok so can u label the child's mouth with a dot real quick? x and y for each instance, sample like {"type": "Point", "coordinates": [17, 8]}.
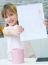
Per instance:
{"type": "Point", "coordinates": [11, 21]}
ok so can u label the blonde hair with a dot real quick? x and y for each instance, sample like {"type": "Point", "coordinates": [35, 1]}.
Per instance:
{"type": "Point", "coordinates": [11, 7]}
{"type": "Point", "coordinates": [8, 6]}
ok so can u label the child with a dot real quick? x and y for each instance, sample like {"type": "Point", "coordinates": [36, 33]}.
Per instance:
{"type": "Point", "coordinates": [12, 32]}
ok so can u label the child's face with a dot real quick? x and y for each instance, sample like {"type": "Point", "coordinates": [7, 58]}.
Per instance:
{"type": "Point", "coordinates": [11, 18]}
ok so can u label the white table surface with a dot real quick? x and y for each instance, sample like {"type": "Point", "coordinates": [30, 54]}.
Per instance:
{"type": "Point", "coordinates": [30, 61]}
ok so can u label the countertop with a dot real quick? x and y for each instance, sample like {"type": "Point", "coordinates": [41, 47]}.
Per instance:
{"type": "Point", "coordinates": [30, 61]}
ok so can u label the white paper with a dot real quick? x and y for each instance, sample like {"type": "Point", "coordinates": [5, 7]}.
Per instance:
{"type": "Point", "coordinates": [31, 17]}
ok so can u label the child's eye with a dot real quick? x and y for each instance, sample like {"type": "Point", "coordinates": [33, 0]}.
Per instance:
{"type": "Point", "coordinates": [11, 14]}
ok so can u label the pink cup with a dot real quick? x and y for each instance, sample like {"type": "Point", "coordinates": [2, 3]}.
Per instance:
{"type": "Point", "coordinates": [16, 56]}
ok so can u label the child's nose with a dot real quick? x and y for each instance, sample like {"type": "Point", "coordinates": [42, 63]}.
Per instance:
{"type": "Point", "coordinates": [9, 18]}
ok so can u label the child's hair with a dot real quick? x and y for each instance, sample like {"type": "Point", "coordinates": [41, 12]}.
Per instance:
{"type": "Point", "coordinates": [11, 7]}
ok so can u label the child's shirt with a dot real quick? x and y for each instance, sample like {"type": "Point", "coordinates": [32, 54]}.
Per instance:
{"type": "Point", "coordinates": [13, 41]}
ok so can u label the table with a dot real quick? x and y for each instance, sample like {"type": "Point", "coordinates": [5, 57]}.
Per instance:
{"type": "Point", "coordinates": [30, 61]}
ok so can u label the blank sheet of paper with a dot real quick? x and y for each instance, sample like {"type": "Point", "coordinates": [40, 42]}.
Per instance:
{"type": "Point", "coordinates": [31, 17]}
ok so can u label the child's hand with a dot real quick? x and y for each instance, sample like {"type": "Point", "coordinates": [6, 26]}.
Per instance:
{"type": "Point", "coordinates": [19, 29]}
{"type": "Point", "coordinates": [46, 23]}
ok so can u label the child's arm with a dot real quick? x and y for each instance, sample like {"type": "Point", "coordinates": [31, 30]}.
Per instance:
{"type": "Point", "coordinates": [7, 32]}
{"type": "Point", "coordinates": [12, 32]}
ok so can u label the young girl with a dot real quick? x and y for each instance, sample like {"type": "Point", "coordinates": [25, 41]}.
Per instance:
{"type": "Point", "coordinates": [12, 32]}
